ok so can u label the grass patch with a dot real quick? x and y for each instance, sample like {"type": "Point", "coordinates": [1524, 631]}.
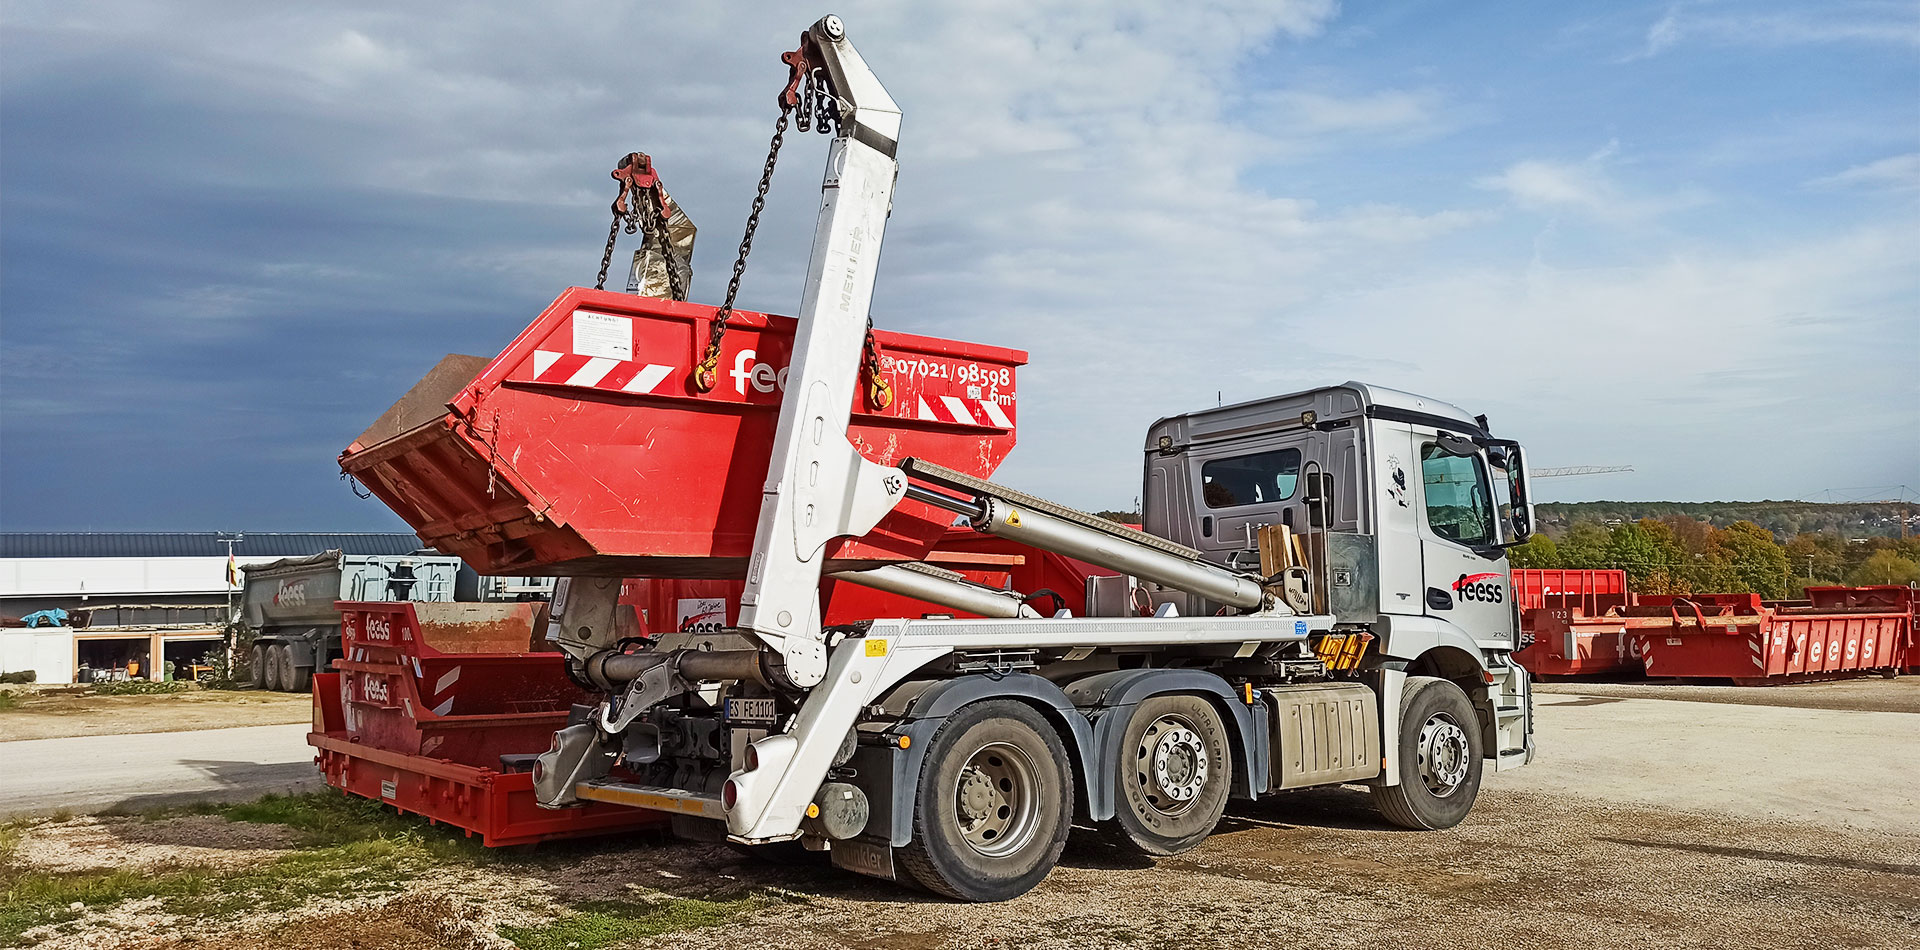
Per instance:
{"type": "Point", "coordinates": [140, 688]}
{"type": "Point", "coordinates": [592, 925]}
{"type": "Point", "coordinates": [346, 846]}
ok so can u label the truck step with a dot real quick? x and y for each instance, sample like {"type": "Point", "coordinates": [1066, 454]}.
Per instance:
{"type": "Point", "coordinates": [679, 801]}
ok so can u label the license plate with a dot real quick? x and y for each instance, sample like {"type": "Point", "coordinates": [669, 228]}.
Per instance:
{"type": "Point", "coordinates": [750, 710]}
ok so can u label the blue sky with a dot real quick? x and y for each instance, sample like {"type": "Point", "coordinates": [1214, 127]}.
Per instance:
{"type": "Point", "coordinates": [1684, 237]}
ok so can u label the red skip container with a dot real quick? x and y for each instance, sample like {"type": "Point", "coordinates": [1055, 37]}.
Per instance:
{"type": "Point", "coordinates": [1575, 618]}
{"type": "Point", "coordinates": [434, 709]}
{"type": "Point", "coordinates": [1836, 633]}
{"type": "Point", "coordinates": [584, 449]}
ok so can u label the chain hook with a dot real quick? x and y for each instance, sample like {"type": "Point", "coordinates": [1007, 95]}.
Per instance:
{"type": "Point", "coordinates": [879, 391]}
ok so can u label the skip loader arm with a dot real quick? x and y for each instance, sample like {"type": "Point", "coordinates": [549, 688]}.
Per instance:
{"type": "Point", "coordinates": [818, 487]}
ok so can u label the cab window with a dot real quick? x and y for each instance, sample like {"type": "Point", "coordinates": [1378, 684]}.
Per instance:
{"type": "Point", "coordinates": [1250, 479]}
{"type": "Point", "coordinates": [1458, 506]}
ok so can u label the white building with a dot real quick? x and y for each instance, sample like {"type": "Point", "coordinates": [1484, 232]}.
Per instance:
{"type": "Point", "coordinates": [137, 600]}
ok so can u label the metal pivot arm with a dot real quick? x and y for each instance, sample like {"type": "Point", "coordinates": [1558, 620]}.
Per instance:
{"type": "Point", "coordinates": [818, 487]}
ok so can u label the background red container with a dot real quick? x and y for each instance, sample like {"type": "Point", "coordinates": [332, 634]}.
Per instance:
{"type": "Point", "coordinates": [1839, 632]}
{"type": "Point", "coordinates": [583, 448]}
{"type": "Point", "coordinates": [430, 699]}
{"type": "Point", "coordinates": [1575, 619]}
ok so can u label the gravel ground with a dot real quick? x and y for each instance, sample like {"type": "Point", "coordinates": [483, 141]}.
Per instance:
{"type": "Point", "coordinates": [1312, 868]}
{"type": "Point", "coordinates": [1864, 695]}
{"type": "Point", "coordinates": [48, 713]}
{"type": "Point", "coordinates": [1568, 852]}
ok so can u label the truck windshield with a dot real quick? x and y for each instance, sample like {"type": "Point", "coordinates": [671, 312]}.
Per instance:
{"type": "Point", "coordinates": [1250, 479]}
{"type": "Point", "coordinates": [1458, 507]}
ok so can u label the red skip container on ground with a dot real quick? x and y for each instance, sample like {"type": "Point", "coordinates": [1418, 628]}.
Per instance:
{"type": "Point", "coordinates": [1837, 632]}
{"type": "Point", "coordinates": [433, 710]}
{"type": "Point", "coordinates": [584, 448]}
{"type": "Point", "coordinates": [1575, 619]}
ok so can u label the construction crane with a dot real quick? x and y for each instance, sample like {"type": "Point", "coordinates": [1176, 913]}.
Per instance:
{"type": "Point", "coordinates": [1579, 470]}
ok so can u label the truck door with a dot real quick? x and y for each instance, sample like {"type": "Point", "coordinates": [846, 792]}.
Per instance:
{"type": "Point", "coordinates": [1254, 483]}
{"type": "Point", "coordinates": [1465, 568]}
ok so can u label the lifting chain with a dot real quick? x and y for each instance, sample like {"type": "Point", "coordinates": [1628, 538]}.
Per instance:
{"type": "Point", "coordinates": [813, 108]}
{"type": "Point", "coordinates": [647, 210]}
{"type": "Point", "coordinates": [703, 373]}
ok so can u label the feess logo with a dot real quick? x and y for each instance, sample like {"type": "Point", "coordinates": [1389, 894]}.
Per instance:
{"type": "Point", "coordinates": [291, 594]}
{"type": "Point", "coordinates": [1487, 588]}
{"type": "Point", "coordinates": [374, 689]}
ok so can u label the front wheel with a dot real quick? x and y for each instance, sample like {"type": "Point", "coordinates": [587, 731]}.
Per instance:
{"type": "Point", "coordinates": [994, 804]}
{"type": "Point", "coordinates": [1440, 758]}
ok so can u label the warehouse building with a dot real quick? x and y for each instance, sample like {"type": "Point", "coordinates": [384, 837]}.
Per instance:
{"type": "Point", "coordinates": [125, 605]}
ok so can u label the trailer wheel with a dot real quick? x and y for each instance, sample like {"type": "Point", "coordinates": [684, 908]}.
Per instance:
{"type": "Point", "coordinates": [299, 678]}
{"type": "Point", "coordinates": [1174, 771]}
{"type": "Point", "coordinates": [993, 806]}
{"type": "Point", "coordinates": [1440, 757]}
{"type": "Point", "coordinates": [279, 667]}
{"type": "Point", "coordinates": [258, 662]}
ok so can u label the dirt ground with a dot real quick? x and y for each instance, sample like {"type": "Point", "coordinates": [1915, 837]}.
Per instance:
{"type": "Point", "coordinates": [1863, 695]}
{"type": "Point", "coordinates": [1550, 858]}
{"type": "Point", "coordinates": [56, 713]}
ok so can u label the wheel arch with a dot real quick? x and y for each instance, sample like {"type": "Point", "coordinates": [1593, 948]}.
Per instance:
{"type": "Point", "coordinates": [1109, 698]}
{"type": "Point", "coordinates": [1454, 664]}
{"type": "Point", "coordinates": [936, 703]}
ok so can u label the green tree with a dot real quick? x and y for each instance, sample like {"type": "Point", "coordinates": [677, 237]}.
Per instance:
{"type": "Point", "coordinates": [1539, 551]}
{"type": "Point", "coordinates": [1649, 553]}
{"type": "Point", "coordinates": [1585, 547]}
{"type": "Point", "coordinates": [1816, 557]}
{"type": "Point", "coordinates": [1885, 567]}
{"type": "Point", "coordinates": [1745, 557]}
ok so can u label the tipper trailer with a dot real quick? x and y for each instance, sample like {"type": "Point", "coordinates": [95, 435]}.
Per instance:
{"type": "Point", "coordinates": [288, 606]}
{"type": "Point", "coordinates": [1320, 594]}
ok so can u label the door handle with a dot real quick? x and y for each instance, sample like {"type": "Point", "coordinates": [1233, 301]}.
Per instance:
{"type": "Point", "coordinates": [1438, 599]}
{"type": "Point", "coordinates": [1206, 527]}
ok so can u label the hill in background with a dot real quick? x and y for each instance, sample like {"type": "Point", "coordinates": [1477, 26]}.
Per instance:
{"type": "Point", "coordinates": [1784, 518]}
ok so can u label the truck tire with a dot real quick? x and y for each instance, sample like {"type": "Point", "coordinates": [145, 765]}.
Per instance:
{"type": "Point", "coordinates": [1173, 774]}
{"type": "Point", "coordinates": [993, 804]}
{"type": "Point", "coordinates": [299, 678]}
{"type": "Point", "coordinates": [1440, 758]}
{"type": "Point", "coordinates": [258, 663]}
{"type": "Point", "coordinates": [279, 667]}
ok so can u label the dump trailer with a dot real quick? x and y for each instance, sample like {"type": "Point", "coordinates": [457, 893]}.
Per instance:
{"type": "Point", "coordinates": [289, 606]}
{"type": "Point", "coordinates": [1320, 594]}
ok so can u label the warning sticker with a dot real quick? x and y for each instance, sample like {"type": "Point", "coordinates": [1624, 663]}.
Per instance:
{"type": "Point", "coordinates": [603, 336]}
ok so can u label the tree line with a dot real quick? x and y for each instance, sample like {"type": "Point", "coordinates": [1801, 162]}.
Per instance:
{"type": "Point", "coordinates": [1678, 554]}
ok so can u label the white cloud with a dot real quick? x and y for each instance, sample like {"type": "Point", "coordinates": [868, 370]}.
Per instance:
{"type": "Point", "coordinates": [1895, 173]}
{"type": "Point", "coordinates": [1586, 186]}
{"type": "Point", "coordinates": [1077, 180]}
{"type": "Point", "coordinates": [1871, 22]}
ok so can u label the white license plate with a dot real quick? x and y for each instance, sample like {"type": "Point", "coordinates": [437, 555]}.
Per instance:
{"type": "Point", "coordinates": [750, 710]}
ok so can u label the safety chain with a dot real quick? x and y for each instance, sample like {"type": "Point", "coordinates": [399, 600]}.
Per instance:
{"type": "Point", "coordinates": [703, 374]}
{"type": "Point", "coordinates": [879, 391]}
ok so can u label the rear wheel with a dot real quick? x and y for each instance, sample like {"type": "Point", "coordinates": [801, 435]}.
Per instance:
{"type": "Point", "coordinates": [1440, 757]}
{"type": "Point", "coordinates": [258, 663]}
{"type": "Point", "coordinates": [994, 804]}
{"type": "Point", "coordinates": [279, 667]}
{"type": "Point", "coordinates": [1173, 774]}
{"type": "Point", "coordinates": [299, 678]}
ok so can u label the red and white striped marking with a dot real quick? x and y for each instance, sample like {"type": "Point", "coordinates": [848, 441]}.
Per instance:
{"type": "Point", "coordinates": [598, 372]}
{"type": "Point", "coordinates": [967, 412]}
